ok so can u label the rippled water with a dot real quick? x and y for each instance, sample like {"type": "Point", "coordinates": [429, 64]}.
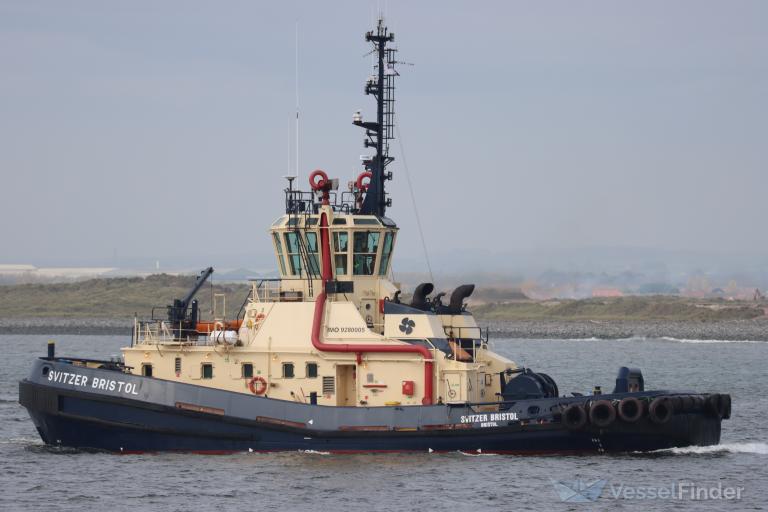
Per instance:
{"type": "Point", "coordinates": [34, 477]}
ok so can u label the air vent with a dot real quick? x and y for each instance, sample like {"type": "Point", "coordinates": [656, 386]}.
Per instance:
{"type": "Point", "coordinates": [329, 386]}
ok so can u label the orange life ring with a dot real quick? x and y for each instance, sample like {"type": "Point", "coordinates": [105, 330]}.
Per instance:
{"type": "Point", "coordinates": [262, 385]}
{"type": "Point", "coordinates": [317, 185]}
{"type": "Point", "coordinates": [364, 186]}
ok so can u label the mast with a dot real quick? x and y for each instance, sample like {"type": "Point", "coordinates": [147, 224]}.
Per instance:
{"type": "Point", "coordinates": [379, 133]}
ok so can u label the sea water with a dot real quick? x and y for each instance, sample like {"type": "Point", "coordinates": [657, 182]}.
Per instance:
{"type": "Point", "coordinates": [36, 477]}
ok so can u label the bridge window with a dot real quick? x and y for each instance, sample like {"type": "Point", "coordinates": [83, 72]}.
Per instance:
{"type": "Point", "coordinates": [314, 266]}
{"type": "Point", "coordinates": [386, 252]}
{"type": "Point", "coordinates": [340, 247]}
{"type": "Point", "coordinates": [365, 247]}
{"type": "Point", "coordinates": [292, 248]}
{"type": "Point", "coordinates": [287, 370]}
{"type": "Point", "coordinates": [279, 248]}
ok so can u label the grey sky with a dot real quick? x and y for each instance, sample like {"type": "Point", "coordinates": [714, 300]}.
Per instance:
{"type": "Point", "coordinates": [162, 129]}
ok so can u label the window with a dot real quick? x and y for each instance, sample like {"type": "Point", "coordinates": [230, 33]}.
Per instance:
{"type": "Point", "coordinates": [287, 370]}
{"type": "Point", "coordinates": [146, 370]}
{"type": "Point", "coordinates": [314, 266]}
{"type": "Point", "coordinates": [207, 371]}
{"type": "Point", "coordinates": [279, 248]}
{"type": "Point", "coordinates": [177, 366]}
{"type": "Point", "coordinates": [247, 370]}
{"type": "Point", "coordinates": [292, 248]}
{"type": "Point", "coordinates": [366, 221]}
{"type": "Point", "coordinates": [366, 246]}
{"type": "Point", "coordinates": [311, 370]}
{"type": "Point", "coordinates": [340, 247]}
{"type": "Point", "coordinates": [339, 220]}
{"type": "Point", "coordinates": [386, 252]}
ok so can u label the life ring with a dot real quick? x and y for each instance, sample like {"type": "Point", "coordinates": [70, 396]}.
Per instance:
{"type": "Point", "coordinates": [262, 385]}
{"type": "Point", "coordinates": [317, 185]}
{"type": "Point", "coordinates": [364, 186]}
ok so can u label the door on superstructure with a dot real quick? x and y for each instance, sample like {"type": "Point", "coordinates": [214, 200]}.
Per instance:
{"type": "Point", "coordinates": [454, 386]}
{"type": "Point", "coordinates": [368, 312]}
{"type": "Point", "coordinates": [346, 385]}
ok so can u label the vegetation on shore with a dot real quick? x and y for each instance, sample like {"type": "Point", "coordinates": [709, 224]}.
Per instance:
{"type": "Point", "coordinates": [113, 298]}
{"type": "Point", "coordinates": [654, 307]}
{"type": "Point", "coordinates": [122, 297]}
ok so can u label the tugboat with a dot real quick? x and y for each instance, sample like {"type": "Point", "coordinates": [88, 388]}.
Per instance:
{"type": "Point", "coordinates": [330, 357]}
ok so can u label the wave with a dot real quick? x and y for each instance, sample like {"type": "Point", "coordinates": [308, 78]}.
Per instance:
{"type": "Point", "coordinates": [21, 440]}
{"type": "Point", "coordinates": [752, 448]}
{"type": "Point", "coordinates": [314, 452]}
{"type": "Point", "coordinates": [685, 340]}
{"type": "Point", "coordinates": [662, 338]}
{"type": "Point", "coordinates": [477, 453]}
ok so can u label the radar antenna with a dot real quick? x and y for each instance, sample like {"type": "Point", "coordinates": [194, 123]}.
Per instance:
{"type": "Point", "coordinates": [378, 134]}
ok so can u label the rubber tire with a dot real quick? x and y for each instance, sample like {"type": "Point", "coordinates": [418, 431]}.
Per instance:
{"type": "Point", "coordinates": [660, 410]}
{"type": "Point", "coordinates": [712, 405]}
{"type": "Point", "coordinates": [602, 413]}
{"type": "Point", "coordinates": [724, 406]}
{"type": "Point", "coordinates": [626, 408]}
{"type": "Point", "coordinates": [574, 417]}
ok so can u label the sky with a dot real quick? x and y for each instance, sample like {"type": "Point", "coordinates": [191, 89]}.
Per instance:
{"type": "Point", "coordinates": [135, 131]}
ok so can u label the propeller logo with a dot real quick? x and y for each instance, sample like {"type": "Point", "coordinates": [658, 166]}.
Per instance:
{"type": "Point", "coordinates": [407, 325]}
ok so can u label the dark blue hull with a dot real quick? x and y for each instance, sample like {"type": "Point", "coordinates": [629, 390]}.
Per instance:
{"type": "Point", "coordinates": [87, 420]}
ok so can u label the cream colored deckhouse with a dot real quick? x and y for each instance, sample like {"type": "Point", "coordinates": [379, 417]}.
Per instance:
{"type": "Point", "coordinates": [272, 353]}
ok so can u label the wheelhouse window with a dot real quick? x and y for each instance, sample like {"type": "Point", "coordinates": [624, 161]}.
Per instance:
{"type": "Point", "coordinates": [340, 248]}
{"type": "Point", "coordinates": [386, 252]}
{"type": "Point", "coordinates": [206, 371]}
{"type": "Point", "coordinates": [146, 370]}
{"type": "Point", "coordinates": [292, 248]}
{"type": "Point", "coordinates": [365, 247]}
{"type": "Point", "coordinates": [314, 265]}
{"type": "Point", "coordinates": [311, 370]}
{"type": "Point", "coordinates": [287, 370]}
{"type": "Point", "coordinates": [247, 370]}
{"type": "Point", "coordinates": [279, 249]}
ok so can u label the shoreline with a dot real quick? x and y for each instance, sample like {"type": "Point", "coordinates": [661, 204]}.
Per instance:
{"type": "Point", "coordinates": [726, 330]}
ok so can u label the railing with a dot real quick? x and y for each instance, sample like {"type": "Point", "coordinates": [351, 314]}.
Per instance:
{"type": "Point", "coordinates": [271, 290]}
{"type": "Point", "coordinates": [300, 202]}
{"type": "Point", "coordinates": [161, 332]}
{"type": "Point", "coordinates": [476, 334]}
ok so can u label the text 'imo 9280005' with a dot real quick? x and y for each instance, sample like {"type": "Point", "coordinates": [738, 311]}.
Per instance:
{"type": "Point", "coordinates": [328, 357]}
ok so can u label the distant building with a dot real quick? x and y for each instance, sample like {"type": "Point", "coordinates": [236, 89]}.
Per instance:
{"type": "Point", "coordinates": [607, 292]}
{"type": "Point", "coordinates": [17, 274]}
